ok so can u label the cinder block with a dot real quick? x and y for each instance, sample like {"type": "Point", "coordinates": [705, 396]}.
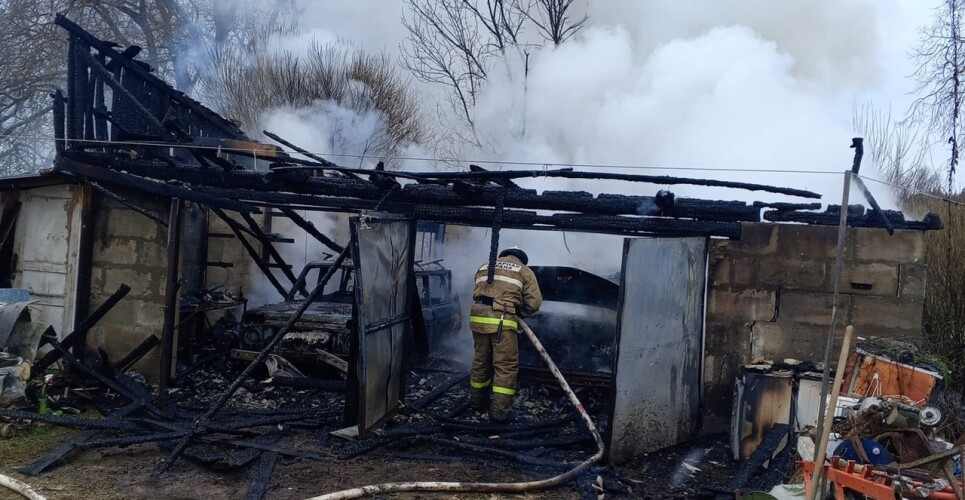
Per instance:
{"type": "Point", "coordinates": [912, 280]}
{"type": "Point", "coordinates": [811, 308]}
{"type": "Point", "coordinates": [778, 341]}
{"type": "Point", "coordinates": [152, 254]}
{"type": "Point", "coordinates": [905, 246]}
{"type": "Point", "coordinates": [143, 284]}
{"type": "Point", "coordinates": [126, 223]}
{"type": "Point", "coordinates": [757, 238]}
{"type": "Point", "coordinates": [150, 314]}
{"type": "Point", "coordinates": [790, 273]}
{"type": "Point", "coordinates": [742, 305]}
{"type": "Point", "coordinates": [116, 252]}
{"type": "Point", "coordinates": [857, 277]}
{"type": "Point", "coordinates": [806, 241]}
{"type": "Point", "coordinates": [719, 271]}
{"type": "Point", "coordinates": [869, 313]}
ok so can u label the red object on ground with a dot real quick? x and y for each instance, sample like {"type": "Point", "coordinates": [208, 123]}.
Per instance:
{"type": "Point", "coordinates": [864, 479]}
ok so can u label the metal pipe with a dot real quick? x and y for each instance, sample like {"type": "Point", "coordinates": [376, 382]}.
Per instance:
{"type": "Point", "coordinates": [437, 486]}
{"type": "Point", "coordinates": [839, 258]}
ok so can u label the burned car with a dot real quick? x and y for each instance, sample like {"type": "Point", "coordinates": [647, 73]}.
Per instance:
{"type": "Point", "coordinates": [577, 324]}
{"type": "Point", "coordinates": [323, 334]}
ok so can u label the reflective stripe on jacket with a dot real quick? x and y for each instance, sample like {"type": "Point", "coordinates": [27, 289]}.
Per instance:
{"type": "Point", "coordinates": [514, 290]}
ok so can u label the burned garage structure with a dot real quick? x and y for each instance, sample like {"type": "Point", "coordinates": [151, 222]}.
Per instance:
{"type": "Point", "coordinates": [140, 246]}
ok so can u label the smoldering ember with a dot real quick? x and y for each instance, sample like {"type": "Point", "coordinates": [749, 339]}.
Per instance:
{"type": "Point", "coordinates": [194, 307]}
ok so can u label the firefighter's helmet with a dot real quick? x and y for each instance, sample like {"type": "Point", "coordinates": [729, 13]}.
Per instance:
{"type": "Point", "coordinates": [515, 252]}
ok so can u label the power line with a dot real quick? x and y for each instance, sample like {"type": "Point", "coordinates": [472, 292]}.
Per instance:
{"type": "Point", "coordinates": [545, 165]}
{"type": "Point", "coordinates": [913, 191]}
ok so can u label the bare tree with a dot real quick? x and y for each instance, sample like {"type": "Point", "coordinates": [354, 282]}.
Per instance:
{"type": "Point", "coordinates": [553, 21]}
{"type": "Point", "coordinates": [455, 43]}
{"type": "Point", "coordinates": [941, 63]}
{"type": "Point", "coordinates": [249, 85]}
{"type": "Point", "coordinates": [171, 33]}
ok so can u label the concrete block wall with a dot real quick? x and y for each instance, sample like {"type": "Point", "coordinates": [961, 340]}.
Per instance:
{"type": "Point", "coordinates": [770, 296]}
{"type": "Point", "coordinates": [129, 248]}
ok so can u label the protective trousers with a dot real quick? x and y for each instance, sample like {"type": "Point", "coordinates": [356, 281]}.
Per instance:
{"type": "Point", "coordinates": [499, 360]}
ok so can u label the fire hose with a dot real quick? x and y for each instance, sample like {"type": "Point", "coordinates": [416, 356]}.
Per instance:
{"type": "Point", "coordinates": [20, 487]}
{"type": "Point", "coordinates": [438, 486]}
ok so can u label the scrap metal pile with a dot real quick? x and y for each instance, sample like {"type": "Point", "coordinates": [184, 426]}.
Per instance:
{"type": "Point", "coordinates": [890, 432]}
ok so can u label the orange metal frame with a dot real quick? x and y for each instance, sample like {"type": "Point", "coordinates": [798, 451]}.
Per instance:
{"type": "Point", "coordinates": [860, 478]}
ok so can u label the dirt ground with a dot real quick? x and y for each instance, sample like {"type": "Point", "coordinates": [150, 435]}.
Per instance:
{"type": "Point", "coordinates": [125, 473]}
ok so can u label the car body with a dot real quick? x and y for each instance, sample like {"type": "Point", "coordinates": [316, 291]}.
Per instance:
{"type": "Point", "coordinates": [326, 323]}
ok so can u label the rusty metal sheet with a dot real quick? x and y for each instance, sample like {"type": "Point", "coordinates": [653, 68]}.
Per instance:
{"type": "Point", "coordinates": [382, 249]}
{"type": "Point", "coordinates": [657, 378]}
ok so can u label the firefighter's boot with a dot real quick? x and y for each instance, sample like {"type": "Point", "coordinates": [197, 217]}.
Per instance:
{"type": "Point", "coordinates": [479, 399]}
{"type": "Point", "coordinates": [501, 407]}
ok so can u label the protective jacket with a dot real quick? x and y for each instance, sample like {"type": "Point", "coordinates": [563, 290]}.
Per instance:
{"type": "Point", "coordinates": [514, 293]}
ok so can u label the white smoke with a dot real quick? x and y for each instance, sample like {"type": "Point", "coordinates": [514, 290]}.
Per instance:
{"type": "Point", "coordinates": [753, 85]}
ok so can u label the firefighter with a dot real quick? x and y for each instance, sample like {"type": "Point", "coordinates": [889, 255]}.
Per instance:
{"type": "Point", "coordinates": [512, 294]}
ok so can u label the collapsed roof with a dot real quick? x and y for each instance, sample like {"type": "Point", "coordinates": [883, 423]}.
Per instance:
{"type": "Point", "coordinates": [122, 126]}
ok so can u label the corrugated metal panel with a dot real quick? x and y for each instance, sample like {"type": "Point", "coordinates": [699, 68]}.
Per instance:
{"type": "Point", "coordinates": [656, 397]}
{"type": "Point", "coordinates": [47, 241]}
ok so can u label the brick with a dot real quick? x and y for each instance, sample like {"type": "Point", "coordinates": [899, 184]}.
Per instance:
{"type": "Point", "coordinates": [811, 242]}
{"type": "Point", "coordinates": [747, 305]}
{"type": "Point", "coordinates": [791, 273]}
{"type": "Point", "coordinates": [904, 246]}
{"type": "Point", "coordinates": [811, 308]}
{"type": "Point", "coordinates": [869, 314]}
{"type": "Point", "coordinates": [912, 279]}
{"type": "Point", "coordinates": [882, 277]}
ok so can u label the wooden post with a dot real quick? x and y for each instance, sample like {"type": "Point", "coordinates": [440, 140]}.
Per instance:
{"type": "Point", "coordinates": [85, 254]}
{"type": "Point", "coordinates": [827, 417]}
{"type": "Point", "coordinates": [170, 298]}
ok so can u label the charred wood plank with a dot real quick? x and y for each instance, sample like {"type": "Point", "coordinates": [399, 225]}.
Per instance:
{"type": "Point", "coordinates": [156, 187]}
{"type": "Point", "coordinates": [236, 228]}
{"type": "Point", "coordinates": [67, 447]}
{"type": "Point", "coordinates": [876, 209]}
{"type": "Point", "coordinates": [506, 183]}
{"type": "Point", "coordinates": [313, 156]}
{"type": "Point", "coordinates": [203, 421]}
{"type": "Point", "coordinates": [262, 476]}
{"type": "Point", "coordinates": [137, 69]}
{"type": "Point", "coordinates": [856, 218]}
{"type": "Point", "coordinates": [74, 337]}
{"type": "Point", "coordinates": [137, 353]}
{"type": "Point", "coordinates": [310, 228]}
{"type": "Point", "coordinates": [272, 252]}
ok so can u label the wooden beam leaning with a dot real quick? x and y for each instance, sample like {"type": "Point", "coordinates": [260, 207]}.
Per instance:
{"type": "Point", "coordinates": [236, 228]}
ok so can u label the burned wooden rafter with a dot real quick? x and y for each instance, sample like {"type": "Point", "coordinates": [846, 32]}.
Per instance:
{"type": "Point", "coordinates": [313, 156]}
{"type": "Point", "coordinates": [272, 252]}
{"type": "Point", "coordinates": [857, 217]}
{"type": "Point", "coordinates": [310, 228]}
{"type": "Point", "coordinates": [239, 233]}
{"type": "Point", "coordinates": [876, 210]}
{"type": "Point", "coordinates": [569, 173]}
{"type": "Point", "coordinates": [68, 446]}
{"type": "Point", "coordinates": [124, 62]}
{"type": "Point", "coordinates": [506, 183]}
{"type": "Point", "coordinates": [201, 423]}
{"type": "Point", "coordinates": [152, 186]}
{"type": "Point", "coordinates": [127, 203]}
{"type": "Point", "coordinates": [74, 337]}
